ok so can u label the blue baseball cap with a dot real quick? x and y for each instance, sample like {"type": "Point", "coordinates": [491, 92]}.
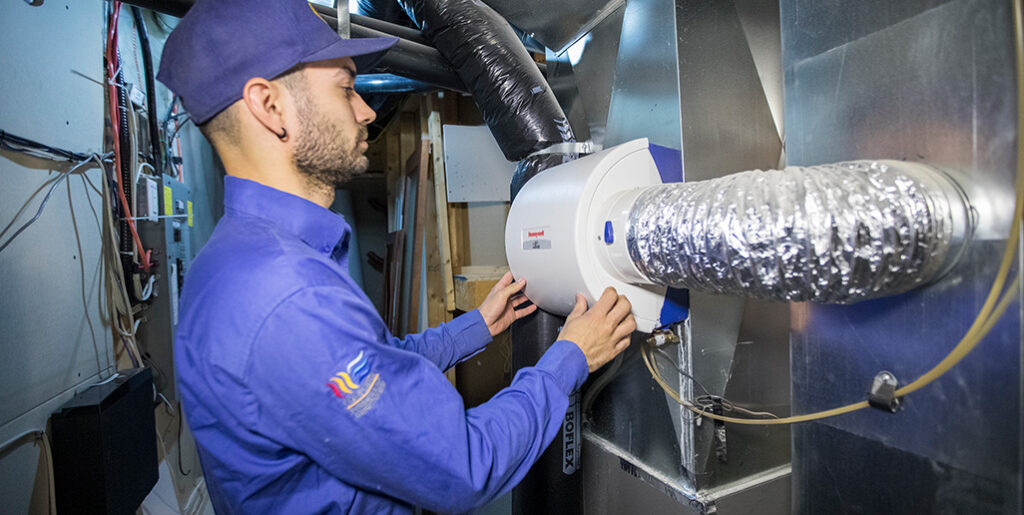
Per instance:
{"type": "Point", "coordinates": [220, 44]}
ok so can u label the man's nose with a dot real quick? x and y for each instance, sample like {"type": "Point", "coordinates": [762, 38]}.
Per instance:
{"type": "Point", "coordinates": [364, 114]}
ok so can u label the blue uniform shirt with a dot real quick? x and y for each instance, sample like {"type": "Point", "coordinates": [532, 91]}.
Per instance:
{"type": "Point", "coordinates": [300, 399]}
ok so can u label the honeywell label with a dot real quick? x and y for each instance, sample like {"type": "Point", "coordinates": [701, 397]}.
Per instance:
{"type": "Point", "coordinates": [537, 238]}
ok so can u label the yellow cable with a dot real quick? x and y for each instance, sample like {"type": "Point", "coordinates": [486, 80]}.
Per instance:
{"type": "Point", "coordinates": [990, 311]}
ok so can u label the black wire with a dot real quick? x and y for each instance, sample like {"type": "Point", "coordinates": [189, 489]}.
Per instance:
{"type": "Point", "coordinates": [682, 372]}
{"type": "Point", "coordinates": [170, 140]}
{"type": "Point", "coordinates": [709, 401]}
{"type": "Point", "coordinates": [147, 64]}
{"type": "Point", "coordinates": [8, 140]}
{"type": "Point", "coordinates": [181, 415]}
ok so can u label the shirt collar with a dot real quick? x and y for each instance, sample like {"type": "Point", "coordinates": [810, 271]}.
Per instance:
{"type": "Point", "coordinates": [320, 228]}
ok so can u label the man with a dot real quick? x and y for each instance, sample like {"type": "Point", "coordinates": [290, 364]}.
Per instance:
{"type": "Point", "coordinates": [299, 398]}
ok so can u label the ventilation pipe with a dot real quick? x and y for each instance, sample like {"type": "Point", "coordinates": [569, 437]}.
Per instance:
{"type": "Point", "coordinates": [516, 102]}
{"type": "Point", "coordinates": [837, 233]}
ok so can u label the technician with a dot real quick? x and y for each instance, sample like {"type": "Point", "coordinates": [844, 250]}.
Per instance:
{"type": "Point", "coordinates": [300, 399]}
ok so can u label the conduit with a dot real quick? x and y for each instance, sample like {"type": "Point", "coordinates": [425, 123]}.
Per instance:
{"type": "Point", "coordinates": [837, 233]}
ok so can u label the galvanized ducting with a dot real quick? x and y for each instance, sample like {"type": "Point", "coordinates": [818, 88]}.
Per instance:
{"type": "Point", "coordinates": [836, 233]}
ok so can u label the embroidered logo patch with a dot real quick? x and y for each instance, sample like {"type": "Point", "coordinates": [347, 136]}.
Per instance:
{"type": "Point", "coordinates": [358, 385]}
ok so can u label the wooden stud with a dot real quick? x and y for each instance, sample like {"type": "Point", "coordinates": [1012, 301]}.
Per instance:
{"type": "Point", "coordinates": [441, 207]}
{"type": "Point", "coordinates": [393, 258]}
{"type": "Point", "coordinates": [393, 176]}
{"type": "Point", "coordinates": [421, 160]}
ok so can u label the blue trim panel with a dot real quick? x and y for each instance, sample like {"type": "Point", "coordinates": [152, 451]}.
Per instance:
{"type": "Point", "coordinates": [669, 162]}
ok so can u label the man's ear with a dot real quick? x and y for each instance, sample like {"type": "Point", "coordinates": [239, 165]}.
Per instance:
{"type": "Point", "coordinates": [266, 101]}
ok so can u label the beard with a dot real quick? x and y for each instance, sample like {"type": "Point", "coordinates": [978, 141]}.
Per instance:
{"type": "Point", "coordinates": [324, 154]}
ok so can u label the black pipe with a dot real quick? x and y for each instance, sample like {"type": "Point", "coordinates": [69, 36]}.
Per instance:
{"type": "Point", "coordinates": [147, 65]}
{"type": "Point", "coordinates": [406, 33]}
{"type": "Point", "coordinates": [386, 83]}
{"type": "Point", "coordinates": [410, 60]}
{"type": "Point", "coordinates": [386, 10]}
{"type": "Point", "coordinates": [172, 7]}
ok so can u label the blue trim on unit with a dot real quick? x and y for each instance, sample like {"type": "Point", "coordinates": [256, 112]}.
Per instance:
{"type": "Point", "coordinates": [676, 307]}
{"type": "Point", "coordinates": [609, 232]}
{"type": "Point", "coordinates": [669, 162]}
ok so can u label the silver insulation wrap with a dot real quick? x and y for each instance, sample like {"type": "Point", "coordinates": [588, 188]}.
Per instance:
{"type": "Point", "coordinates": [837, 233]}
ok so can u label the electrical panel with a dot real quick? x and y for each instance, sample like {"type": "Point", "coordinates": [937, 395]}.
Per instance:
{"type": "Point", "coordinates": [170, 238]}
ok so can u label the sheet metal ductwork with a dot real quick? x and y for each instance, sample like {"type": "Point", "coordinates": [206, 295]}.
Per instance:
{"type": "Point", "coordinates": [836, 233]}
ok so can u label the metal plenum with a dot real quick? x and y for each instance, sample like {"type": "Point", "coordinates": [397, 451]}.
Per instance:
{"type": "Point", "coordinates": [835, 233]}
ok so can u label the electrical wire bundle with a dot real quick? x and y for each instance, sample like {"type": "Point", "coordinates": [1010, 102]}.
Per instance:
{"type": "Point", "coordinates": [13, 143]}
{"type": "Point", "coordinates": [999, 298]}
{"type": "Point", "coordinates": [117, 99]}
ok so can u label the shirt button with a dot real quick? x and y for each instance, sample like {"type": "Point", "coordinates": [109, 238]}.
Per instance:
{"type": "Point", "coordinates": [325, 248]}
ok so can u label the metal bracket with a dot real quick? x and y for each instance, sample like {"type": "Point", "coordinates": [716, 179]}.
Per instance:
{"type": "Point", "coordinates": [570, 147]}
{"type": "Point", "coordinates": [661, 337]}
{"type": "Point", "coordinates": [883, 392]}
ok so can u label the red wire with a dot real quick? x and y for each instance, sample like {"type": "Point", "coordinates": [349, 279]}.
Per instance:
{"type": "Point", "coordinates": [116, 129]}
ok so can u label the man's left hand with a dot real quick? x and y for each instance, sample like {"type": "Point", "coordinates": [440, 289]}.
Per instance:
{"type": "Point", "coordinates": [499, 308]}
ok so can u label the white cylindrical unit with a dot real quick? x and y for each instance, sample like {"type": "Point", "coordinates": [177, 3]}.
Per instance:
{"type": "Point", "coordinates": [566, 232]}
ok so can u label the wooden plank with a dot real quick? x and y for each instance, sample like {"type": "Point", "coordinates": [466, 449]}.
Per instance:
{"type": "Point", "coordinates": [483, 271]}
{"type": "Point", "coordinates": [421, 161]}
{"type": "Point", "coordinates": [437, 310]}
{"type": "Point", "coordinates": [441, 206]}
{"type": "Point", "coordinates": [393, 176]}
{"type": "Point", "coordinates": [393, 253]}
{"type": "Point", "coordinates": [473, 283]}
{"type": "Point", "coordinates": [458, 234]}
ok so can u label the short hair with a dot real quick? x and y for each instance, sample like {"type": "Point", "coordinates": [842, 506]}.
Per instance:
{"type": "Point", "coordinates": [223, 127]}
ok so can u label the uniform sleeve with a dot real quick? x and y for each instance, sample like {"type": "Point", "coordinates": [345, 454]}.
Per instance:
{"type": "Point", "coordinates": [451, 342]}
{"type": "Point", "coordinates": [385, 419]}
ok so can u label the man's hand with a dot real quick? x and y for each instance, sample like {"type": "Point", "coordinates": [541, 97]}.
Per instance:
{"type": "Point", "coordinates": [603, 331]}
{"type": "Point", "coordinates": [499, 308]}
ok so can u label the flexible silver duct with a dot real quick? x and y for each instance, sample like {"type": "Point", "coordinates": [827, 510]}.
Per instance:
{"type": "Point", "coordinates": [836, 233]}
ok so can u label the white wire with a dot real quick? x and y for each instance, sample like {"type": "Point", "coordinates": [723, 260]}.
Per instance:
{"type": "Point", "coordinates": [44, 443]}
{"type": "Point", "coordinates": [170, 407]}
{"type": "Point", "coordinates": [53, 186]}
{"type": "Point", "coordinates": [147, 292]}
{"type": "Point", "coordinates": [144, 164]}
{"type": "Point", "coordinates": [101, 383]}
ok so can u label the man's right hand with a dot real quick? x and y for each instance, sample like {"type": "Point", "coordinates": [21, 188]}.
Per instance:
{"type": "Point", "coordinates": [603, 331]}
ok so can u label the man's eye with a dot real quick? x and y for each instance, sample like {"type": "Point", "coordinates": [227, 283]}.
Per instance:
{"type": "Point", "coordinates": [349, 90]}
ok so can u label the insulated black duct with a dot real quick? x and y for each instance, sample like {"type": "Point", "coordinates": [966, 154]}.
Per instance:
{"type": "Point", "coordinates": [506, 84]}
